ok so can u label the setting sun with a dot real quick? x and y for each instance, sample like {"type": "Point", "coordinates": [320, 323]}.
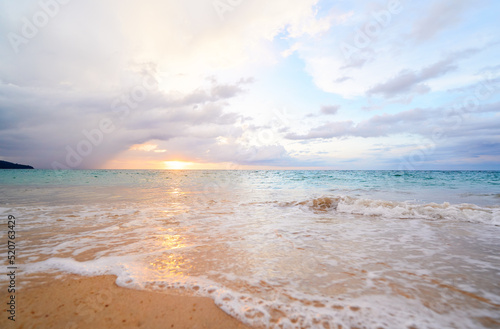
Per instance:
{"type": "Point", "coordinates": [177, 165]}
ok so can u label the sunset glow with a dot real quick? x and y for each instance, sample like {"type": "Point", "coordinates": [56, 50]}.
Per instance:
{"type": "Point", "coordinates": [177, 165]}
{"type": "Point", "coordinates": [232, 85]}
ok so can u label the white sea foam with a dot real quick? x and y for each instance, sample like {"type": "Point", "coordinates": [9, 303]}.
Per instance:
{"type": "Point", "coordinates": [317, 263]}
{"type": "Point", "coordinates": [4, 210]}
{"type": "Point", "coordinates": [403, 210]}
{"type": "Point", "coordinates": [288, 308]}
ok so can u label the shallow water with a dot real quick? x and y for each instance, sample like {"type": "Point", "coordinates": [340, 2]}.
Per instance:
{"type": "Point", "coordinates": [284, 249]}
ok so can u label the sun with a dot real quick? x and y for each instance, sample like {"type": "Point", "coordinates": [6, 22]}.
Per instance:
{"type": "Point", "coordinates": [176, 165]}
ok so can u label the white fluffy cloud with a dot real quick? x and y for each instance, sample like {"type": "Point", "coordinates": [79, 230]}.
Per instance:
{"type": "Point", "coordinates": [191, 76]}
{"type": "Point", "coordinates": [67, 65]}
{"type": "Point", "coordinates": [88, 40]}
{"type": "Point", "coordinates": [391, 40]}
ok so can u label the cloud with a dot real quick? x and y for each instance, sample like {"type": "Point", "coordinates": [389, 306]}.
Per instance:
{"type": "Point", "coordinates": [466, 153]}
{"type": "Point", "coordinates": [329, 130]}
{"type": "Point", "coordinates": [412, 82]}
{"type": "Point", "coordinates": [441, 16]}
{"type": "Point", "coordinates": [391, 52]}
{"type": "Point", "coordinates": [176, 75]}
{"type": "Point", "coordinates": [290, 50]}
{"type": "Point", "coordinates": [342, 79]}
{"type": "Point", "coordinates": [324, 110]}
{"type": "Point", "coordinates": [330, 109]}
{"type": "Point", "coordinates": [376, 126]}
{"type": "Point", "coordinates": [92, 59]}
{"type": "Point", "coordinates": [418, 121]}
{"type": "Point", "coordinates": [208, 150]}
{"type": "Point", "coordinates": [40, 125]}
{"type": "Point", "coordinates": [187, 37]}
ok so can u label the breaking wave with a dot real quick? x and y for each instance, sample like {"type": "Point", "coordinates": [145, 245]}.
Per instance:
{"type": "Point", "coordinates": [401, 210]}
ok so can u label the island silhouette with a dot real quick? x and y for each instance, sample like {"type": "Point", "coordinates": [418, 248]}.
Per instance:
{"type": "Point", "coordinates": [11, 165]}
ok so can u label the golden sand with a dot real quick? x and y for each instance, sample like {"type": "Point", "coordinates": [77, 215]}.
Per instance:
{"type": "Point", "coordinates": [97, 302]}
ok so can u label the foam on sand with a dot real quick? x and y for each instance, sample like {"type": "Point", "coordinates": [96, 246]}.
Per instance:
{"type": "Point", "coordinates": [96, 302]}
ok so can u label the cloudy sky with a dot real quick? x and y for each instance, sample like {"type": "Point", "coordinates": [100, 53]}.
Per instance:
{"type": "Point", "coordinates": [240, 84]}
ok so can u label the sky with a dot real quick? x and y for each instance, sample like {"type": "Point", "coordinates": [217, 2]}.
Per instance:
{"type": "Point", "coordinates": [250, 84]}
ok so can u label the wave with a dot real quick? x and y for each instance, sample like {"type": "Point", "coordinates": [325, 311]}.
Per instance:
{"type": "Point", "coordinates": [401, 210]}
{"type": "Point", "coordinates": [283, 307]}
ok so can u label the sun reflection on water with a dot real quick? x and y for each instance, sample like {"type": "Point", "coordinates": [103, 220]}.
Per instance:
{"type": "Point", "coordinates": [171, 266]}
{"type": "Point", "coordinates": [171, 242]}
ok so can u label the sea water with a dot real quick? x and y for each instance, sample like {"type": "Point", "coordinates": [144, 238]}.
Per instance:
{"type": "Point", "coordinates": [275, 249]}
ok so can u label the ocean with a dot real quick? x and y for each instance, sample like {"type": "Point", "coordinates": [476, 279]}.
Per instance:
{"type": "Point", "coordinates": [275, 249]}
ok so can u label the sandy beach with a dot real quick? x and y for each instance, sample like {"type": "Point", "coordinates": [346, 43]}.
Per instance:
{"type": "Point", "coordinates": [97, 302]}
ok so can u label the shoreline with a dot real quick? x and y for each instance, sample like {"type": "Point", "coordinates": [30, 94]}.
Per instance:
{"type": "Point", "coordinates": [97, 302]}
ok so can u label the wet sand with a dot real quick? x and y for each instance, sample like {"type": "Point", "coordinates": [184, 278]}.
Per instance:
{"type": "Point", "coordinates": [97, 302]}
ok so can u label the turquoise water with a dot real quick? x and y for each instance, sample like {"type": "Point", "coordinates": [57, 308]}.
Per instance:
{"type": "Point", "coordinates": [275, 249]}
{"type": "Point", "coordinates": [477, 187]}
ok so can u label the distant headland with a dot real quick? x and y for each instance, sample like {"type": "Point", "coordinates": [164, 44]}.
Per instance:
{"type": "Point", "coordinates": [10, 165]}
